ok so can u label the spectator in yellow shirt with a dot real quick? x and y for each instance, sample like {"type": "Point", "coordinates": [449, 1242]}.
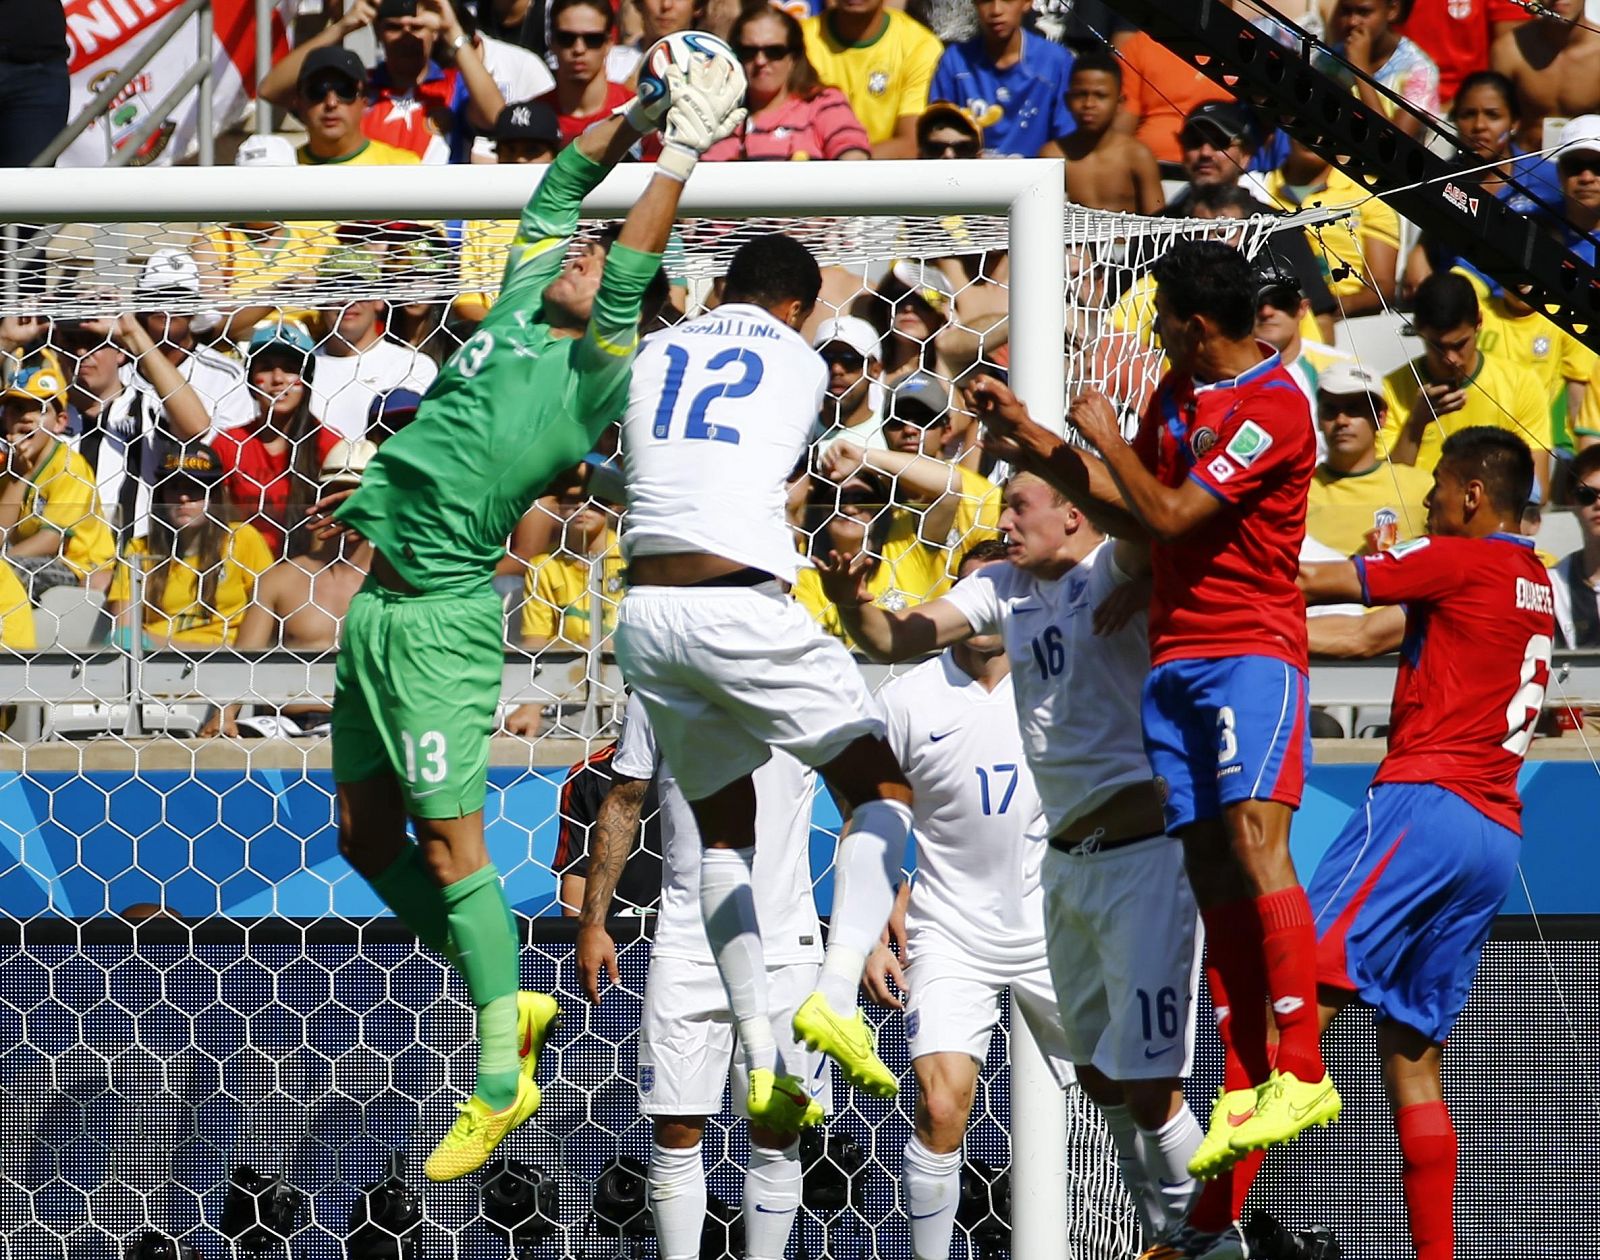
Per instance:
{"type": "Point", "coordinates": [16, 614]}
{"type": "Point", "coordinates": [56, 532]}
{"type": "Point", "coordinates": [1586, 424]}
{"type": "Point", "coordinates": [883, 61]}
{"type": "Point", "coordinates": [198, 572]}
{"type": "Point", "coordinates": [330, 97]}
{"type": "Point", "coordinates": [557, 608]}
{"type": "Point", "coordinates": [1359, 502]}
{"type": "Point", "coordinates": [1453, 384]}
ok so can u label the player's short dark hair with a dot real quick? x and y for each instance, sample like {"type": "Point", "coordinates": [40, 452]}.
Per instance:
{"type": "Point", "coordinates": [772, 268]}
{"type": "Point", "coordinates": [656, 293]}
{"type": "Point", "coordinates": [1211, 279]}
{"type": "Point", "coordinates": [1443, 301]}
{"type": "Point", "coordinates": [602, 7]}
{"type": "Point", "coordinates": [985, 551]}
{"type": "Point", "coordinates": [1096, 59]}
{"type": "Point", "coordinates": [1219, 197]}
{"type": "Point", "coordinates": [1584, 462]}
{"type": "Point", "coordinates": [1498, 458]}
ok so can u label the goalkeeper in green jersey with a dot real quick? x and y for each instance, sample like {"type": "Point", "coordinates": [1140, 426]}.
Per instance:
{"type": "Point", "coordinates": [422, 649]}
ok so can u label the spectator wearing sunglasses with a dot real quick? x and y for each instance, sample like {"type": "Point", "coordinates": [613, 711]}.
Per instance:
{"type": "Point", "coordinates": [581, 35]}
{"type": "Point", "coordinates": [1576, 578]}
{"type": "Point", "coordinates": [793, 117]}
{"type": "Point", "coordinates": [1014, 83]}
{"type": "Point", "coordinates": [948, 131]}
{"type": "Point", "coordinates": [330, 99]}
{"type": "Point", "coordinates": [853, 404]}
{"type": "Point", "coordinates": [1579, 168]}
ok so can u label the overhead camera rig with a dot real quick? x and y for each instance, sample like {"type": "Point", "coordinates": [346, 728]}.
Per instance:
{"type": "Point", "coordinates": [1426, 188]}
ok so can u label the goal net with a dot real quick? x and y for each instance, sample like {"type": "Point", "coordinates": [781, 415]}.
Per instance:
{"type": "Point", "coordinates": [195, 988]}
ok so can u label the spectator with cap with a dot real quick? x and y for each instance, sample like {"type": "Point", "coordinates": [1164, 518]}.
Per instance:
{"type": "Point", "coordinates": [1554, 60]}
{"type": "Point", "coordinates": [171, 278]}
{"type": "Point", "coordinates": [581, 33]}
{"type": "Point", "coordinates": [270, 467]}
{"type": "Point", "coordinates": [913, 307]}
{"type": "Point", "coordinates": [1359, 255]}
{"type": "Point", "coordinates": [1282, 314]}
{"type": "Point", "coordinates": [519, 74]}
{"type": "Point", "coordinates": [883, 61]}
{"type": "Point", "coordinates": [241, 264]}
{"type": "Point", "coordinates": [1576, 577]}
{"type": "Point", "coordinates": [55, 529]}
{"type": "Point", "coordinates": [1160, 91]}
{"type": "Point", "coordinates": [1360, 503]}
{"type": "Point", "coordinates": [300, 604]}
{"type": "Point", "coordinates": [1364, 45]}
{"type": "Point", "coordinates": [1107, 169]}
{"type": "Point", "coordinates": [356, 361]}
{"type": "Point", "coordinates": [412, 103]}
{"type": "Point", "coordinates": [850, 408]}
{"type": "Point", "coordinates": [1579, 168]}
{"type": "Point", "coordinates": [197, 570]}
{"type": "Point", "coordinates": [792, 116]}
{"type": "Point", "coordinates": [1013, 82]}
{"type": "Point", "coordinates": [391, 412]}
{"type": "Point", "coordinates": [329, 97]}
{"type": "Point", "coordinates": [947, 131]}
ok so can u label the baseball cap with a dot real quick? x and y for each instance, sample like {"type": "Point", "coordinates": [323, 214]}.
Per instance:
{"type": "Point", "coordinates": [855, 332]}
{"type": "Point", "coordinates": [290, 334]}
{"type": "Point", "coordinates": [353, 262]}
{"type": "Point", "coordinates": [527, 120]}
{"type": "Point", "coordinates": [169, 271]}
{"type": "Point", "coordinates": [346, 461]}
{"type": "Point", "coordinates": [265, 151]}
{"type": "Point", "coordinates": [391, 412]}
{"type": "Point", "coordinates": [195, 462]}
{"type": "Point", "coordinates": [334, 58]}
{"type": "Point", "coordinates": [947, 114]}
{"type": "Point", "coordinates": [396, 9]}
{"type": "Point", "coordinates": [42, 381]}
{"type": "Point", "coordinates": [928, 283]}
{"type": "Point", "coordinates": [1222, 120]}
{"type": "Point", "coordinates": [1279, 287]}
{"type": "Point", "coordinates": [919, 390]}
{"type": "Point", "coordinates": [1581, 135]}
{"type": "Point", "coordinates": [1341, 379]}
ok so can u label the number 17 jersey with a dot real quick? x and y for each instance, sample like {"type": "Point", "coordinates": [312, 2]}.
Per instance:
{"type": "Point", "coordinates": [720, 410]}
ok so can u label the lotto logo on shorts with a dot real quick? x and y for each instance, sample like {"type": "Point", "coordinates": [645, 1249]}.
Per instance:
{"type": "Point", "coordinates": [647, 1078]}
{"type": "Point", "coordinates": [913, 1022]}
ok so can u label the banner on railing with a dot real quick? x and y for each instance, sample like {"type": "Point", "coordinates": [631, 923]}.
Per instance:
{"type": "Point", "coordinates": [106, 34]}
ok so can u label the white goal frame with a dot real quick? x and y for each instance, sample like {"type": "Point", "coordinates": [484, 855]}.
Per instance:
{"type": "Point", "coordinates": [1028, 192]}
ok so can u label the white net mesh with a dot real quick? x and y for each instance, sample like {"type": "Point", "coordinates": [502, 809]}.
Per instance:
{"type": "Point", "coordinates": [254, 1016]}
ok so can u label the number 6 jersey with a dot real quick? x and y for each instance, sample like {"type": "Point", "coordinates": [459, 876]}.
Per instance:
{"type": "Point", "coordinates": [1480, 619]}
{"type": "Point", "coordinates": [721, 409]}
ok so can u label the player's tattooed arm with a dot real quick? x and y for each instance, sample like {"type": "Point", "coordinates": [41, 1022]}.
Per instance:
{"type": "Point", "coordinates": [615, 828]}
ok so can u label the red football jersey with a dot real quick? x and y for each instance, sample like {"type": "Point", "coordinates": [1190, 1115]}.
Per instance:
{"type": "Point", "coordinates": [1457, 35]}
{"type": "Point", "coordinates": [1227, 588]}
{"type": "Point", "coordinates": [1480, 623]}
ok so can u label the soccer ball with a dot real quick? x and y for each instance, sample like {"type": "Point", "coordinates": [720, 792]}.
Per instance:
{"type": "Point", "coordinates": [678, 49]}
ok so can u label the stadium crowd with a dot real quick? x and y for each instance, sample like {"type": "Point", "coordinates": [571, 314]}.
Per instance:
{"type": "Point", "coordinates": [163, 462]}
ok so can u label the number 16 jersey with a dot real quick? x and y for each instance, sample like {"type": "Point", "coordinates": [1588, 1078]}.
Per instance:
{"type": "Point", "coordinates": [720, 410]}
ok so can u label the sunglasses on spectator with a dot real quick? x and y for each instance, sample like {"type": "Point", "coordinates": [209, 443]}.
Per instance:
{"type": "Point", "coordinates": [1586, 496]}
{"type": "Point", "coordinates": [849, 360]}
{"type": "Point", "coordinates": [589, 39]}
{"type": "Point", "coordinates": [1577, 163]}
{"type": "Point", "coordinates": [345, 89]}
{"type": "Point", "coordinates": [954, 148]}
{"type": "Point", "coordinates": [772, 52]}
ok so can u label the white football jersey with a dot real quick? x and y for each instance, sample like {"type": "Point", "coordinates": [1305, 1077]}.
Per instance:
{"type": "Point", "coordinates": [980, 835]}
{"type": "Point", "coordinates": [785, 907]}
{"type": "Point", "coordinates": [721, 409]}
{"type": "Point", "coordinates": [1077, 693]}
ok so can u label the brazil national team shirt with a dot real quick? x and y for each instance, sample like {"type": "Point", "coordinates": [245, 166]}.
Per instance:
{"type": "Point", "coordinates": [1020, 108]}
{"type": "Point", "coordinates": [1480, 624]}
{"type": "Point", "coordinates": [1227, 587]}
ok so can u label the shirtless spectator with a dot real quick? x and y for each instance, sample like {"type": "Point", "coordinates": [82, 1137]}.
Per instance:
{"type": "Point", "coordinates": [1362, 36]}
{"type": "Point", "coordinates": [1106, 168]}
{"type": "Point", "coordinates": [1555, 63]}
{"type": "Point", "coordinates": [300, 604]}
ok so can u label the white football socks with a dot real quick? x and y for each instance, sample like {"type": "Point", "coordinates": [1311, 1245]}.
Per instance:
{"type": "Point", "coordinates": [771, 1199]}
{"type": "Point", "coordinates": [866, 873]}
{"type": "Point", "coordinates": [1131, 1163]}
{"type": "Point", "coordinates": [931, 1187]}
{"type": "Point", "coordinates": [728, 908]}
{"type": "Point", "coordinates": [675, 1189]}
{"type": "Point", "coordinates": [1167, 1151]}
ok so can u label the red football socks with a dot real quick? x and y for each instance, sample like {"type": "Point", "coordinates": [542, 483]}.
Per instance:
{"type": "Point", "coordinates": [1289, 953]}
{"type": "Point", "coordinates": [1238, 983]}
{"type": "Point", "coordinates": [1428, 1151]}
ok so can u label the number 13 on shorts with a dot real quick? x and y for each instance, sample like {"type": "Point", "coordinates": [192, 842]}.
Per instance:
{"type": "Point", "coordinates": [427, 759]}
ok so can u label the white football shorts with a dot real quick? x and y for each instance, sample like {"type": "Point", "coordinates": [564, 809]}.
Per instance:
{"type": "Point", "coordinates": [956, 999]}
{"type": "Point", "coordinates": [728, 673]}
{"type": "Point", "coordinates": [1123, 938]}
{"type": "Point", "coordinates": [687, 1039]}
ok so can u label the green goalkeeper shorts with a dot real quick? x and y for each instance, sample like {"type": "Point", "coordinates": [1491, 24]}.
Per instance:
{"type": "Point", "coordinates": [415, 692]}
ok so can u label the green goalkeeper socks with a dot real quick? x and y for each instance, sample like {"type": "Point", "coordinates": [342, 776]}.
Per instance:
{"type": "Point", "coordinates": [486, 952]}
{"type": "Point", "coordinates": [409, 889]}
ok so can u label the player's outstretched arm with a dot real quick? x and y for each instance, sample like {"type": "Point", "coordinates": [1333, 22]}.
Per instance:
{"type": "Point", "coordinates": [1331, 582]}
{"type": "Point", "coordinates": [1356, 637]}
{"type": "Point", "coordinates": [888, 636]}
{"type": "Point", "coordinates": [615, 827]}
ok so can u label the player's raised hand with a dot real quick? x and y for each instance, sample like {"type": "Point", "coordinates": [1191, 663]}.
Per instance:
{"type": "Point", "coordinates": [319, 518]}
{"type": "Point", "coordinates": [596, 950]}
{"type": "Point", "coordinates": [707, 103]}
{"type": "Point", "coordinates": [844, 581]}
{"type": "Point", "coordinates": [1092, 415]}
{"type": "Point", "coordinates": [841, 460]}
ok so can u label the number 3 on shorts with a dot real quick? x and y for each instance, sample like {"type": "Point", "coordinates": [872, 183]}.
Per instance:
{"type": "Point", "coordinates": [1227, 741]}
{"type": "Point", "coordinates": [431, 745]}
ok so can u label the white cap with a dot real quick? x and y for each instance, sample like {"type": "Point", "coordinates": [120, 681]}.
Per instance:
{"type": "Point", "coordinates": [265, 151]}
{"type": "Point", "coordinates": [1341, 379]}
{"type": "Point", "coordinates": [926, 281]}
{"type": "Point", "coordinates": [347, 460]}
{"type": "Point", "coordinates": [1580, 135]}
{"type": "Point", "coordinates": [169, 271]}
{"type": "Point", "coordinates": [856, 333]}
